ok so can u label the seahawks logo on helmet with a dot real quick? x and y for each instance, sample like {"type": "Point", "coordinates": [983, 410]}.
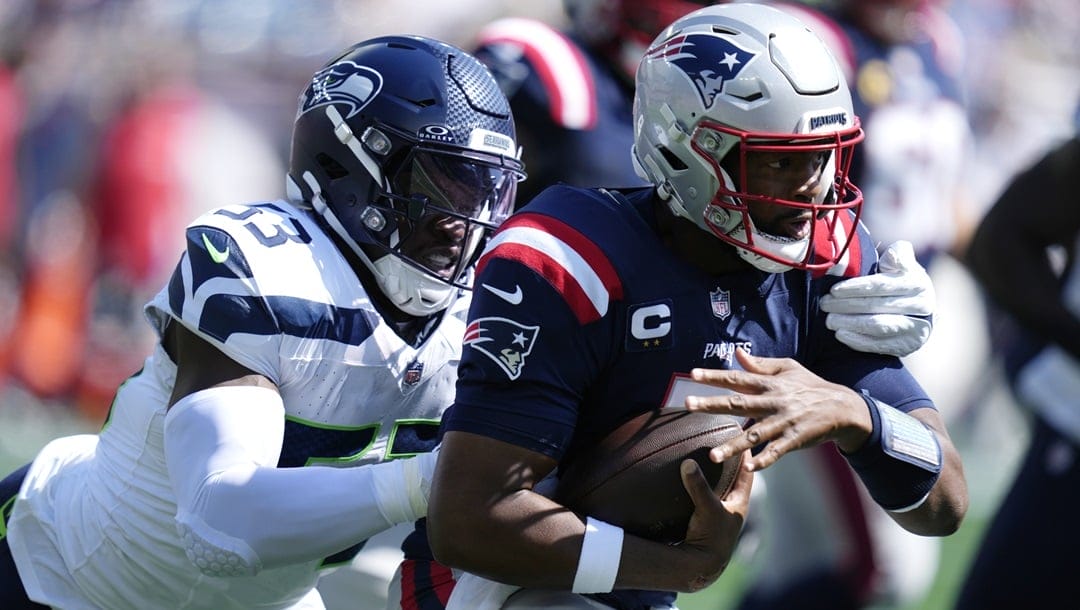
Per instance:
{"type": "Point", "coordinates": [346, 83]}
{"type": "Point", "coordinates": [689, 54]}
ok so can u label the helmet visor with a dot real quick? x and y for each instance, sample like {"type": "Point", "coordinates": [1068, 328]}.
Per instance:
{"type": "Point", "coordinates": [442, 207]}
{"type": "Point", "coordinates": [459, 186]}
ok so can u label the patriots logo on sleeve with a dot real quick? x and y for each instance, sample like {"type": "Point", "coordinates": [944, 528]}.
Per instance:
{"type": "Point", "coordinates": [505, 341]}
{"type": "Point", "coordinates": [346, 83]}
{"type": "Point", "coordinates": [688, 53]}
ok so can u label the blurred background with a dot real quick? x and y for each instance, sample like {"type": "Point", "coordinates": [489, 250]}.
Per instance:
{"type": "Point", "coordinates": [121, 120]}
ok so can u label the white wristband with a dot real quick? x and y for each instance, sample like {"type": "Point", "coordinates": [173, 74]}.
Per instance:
{"type": "Point", "coordinates": [598, 564]}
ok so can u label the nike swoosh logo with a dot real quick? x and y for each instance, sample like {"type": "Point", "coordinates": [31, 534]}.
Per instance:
{"type": "Point", "coordinates": [514, 298]}
{"type": "Point", "coordinates": [215, 255]}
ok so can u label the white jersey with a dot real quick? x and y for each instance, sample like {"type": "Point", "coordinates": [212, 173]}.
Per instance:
{"type": "Point", "coordinates": [266, 286]}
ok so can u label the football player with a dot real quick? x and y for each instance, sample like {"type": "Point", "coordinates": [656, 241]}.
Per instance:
{"type": "Point", "coordinates": [900, 58]}
{"type": "Point", "coordinates": [572, 94]}
{"type": "Point", "coordinates": [597, 300]}
{"type": "Point", "coordinates": [1035, 214]}
{"type": "Point", "coordinates": [308, 347]}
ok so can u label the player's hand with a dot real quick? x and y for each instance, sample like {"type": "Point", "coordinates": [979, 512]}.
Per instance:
{"type": "Point", "coordinates": [889, 312]}
{"type": "Point", "coordinates": [716, 524]}
{"type": "Point", "coordinates": [791, 408]}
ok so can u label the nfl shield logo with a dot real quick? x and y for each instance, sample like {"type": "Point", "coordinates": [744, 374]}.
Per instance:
{"type": "Point", "coordinates": [414, 373]}
{"type": "Point", "coordinates": [721, 303]}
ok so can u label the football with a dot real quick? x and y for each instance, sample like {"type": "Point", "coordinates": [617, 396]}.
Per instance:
{"type": "Point", "coordinates": [631, 478]}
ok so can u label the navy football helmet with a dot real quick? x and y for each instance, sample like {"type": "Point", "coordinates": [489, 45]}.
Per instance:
{"type": "Point", "coordinates": [397, 132]}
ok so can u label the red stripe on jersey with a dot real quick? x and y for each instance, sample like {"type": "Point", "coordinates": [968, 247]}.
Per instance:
{"type": "Point", "coordinates": [425, 585]}
{"type": "Point", "coordinates": [826, 245]}
{"type": "Point", "coordinates": [559, 63]}
{"type": "Point", "coordinates": [408, 586]}
{"type": "Point", "coordinates": [556, 275]}
{"type": "Point", "coordinates": [553, 267]}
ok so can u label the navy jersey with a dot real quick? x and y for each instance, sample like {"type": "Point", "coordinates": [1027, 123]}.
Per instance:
{"type": "Point", "coordinates": [572, 110]}
{"type": "Point", "coordinates": [582, 318]}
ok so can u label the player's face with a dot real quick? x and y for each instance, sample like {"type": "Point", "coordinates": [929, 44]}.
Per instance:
{"type": "Point", "coordinates": [438, 243]}
{"type": "Point", "coordinates": [453, 190]}
{"type": "Point", "coordinates": [792, 176]}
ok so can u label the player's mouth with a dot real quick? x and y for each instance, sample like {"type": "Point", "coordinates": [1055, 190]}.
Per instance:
{"type": "Point", "coordinates": [442, 261]}
{"type": "Point", "coordinates": [792, 228]}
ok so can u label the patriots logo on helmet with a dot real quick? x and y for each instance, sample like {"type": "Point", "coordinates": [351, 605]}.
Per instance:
{"type": "Point", "coordinates": [505, 341]}
{"type": "Point", "coordinates": [345, 82]}
{"type": "Point", "coordinates": [708, 61]}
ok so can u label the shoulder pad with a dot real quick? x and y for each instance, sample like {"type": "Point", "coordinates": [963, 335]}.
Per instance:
{"type": "Point", "coordinates": [557, 61]}
{"type": "Point", "coordinates": [556, 248]}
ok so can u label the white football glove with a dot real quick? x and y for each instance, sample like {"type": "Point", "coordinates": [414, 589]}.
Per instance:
{"type": "Point", "coordinates": [889, 312]}
{"type": "Point", "coordinates": [402, 486]}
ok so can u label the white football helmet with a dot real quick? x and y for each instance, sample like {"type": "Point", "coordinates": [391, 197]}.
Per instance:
{"type": "Point", "coordinates": [732, 79]}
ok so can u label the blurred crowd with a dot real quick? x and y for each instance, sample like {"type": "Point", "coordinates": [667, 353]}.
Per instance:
{"type": "Point", "coordinates": [121, 120]}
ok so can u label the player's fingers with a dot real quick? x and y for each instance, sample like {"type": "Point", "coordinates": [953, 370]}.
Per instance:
{"type": "Point", "coordinates": [696, 484]}
{"type": "Point", "coordinates": [762, 366]}
{"type": "Point", "coordinates": [869, 286]}
{"type": "Point", "coordinates": [914, 304]}
{"type": "Point", "coordinates": [738, 381]}
{"type": "Point", "coordinates": [758, 433]}
{"type": "Point", "coordinates": [749, 439]}
{"type": "Point", "coordinates": [768, 456]}
{"type": "Point", "coordinates": [737, 499]}
{"type": "Point", "coordinates": [741, 405]}
{"type": "Point", "coordinates": [779, 445]}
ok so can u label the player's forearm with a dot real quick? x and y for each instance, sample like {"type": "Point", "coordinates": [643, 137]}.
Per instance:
{"type": "Point", "coordinates": [526, 530]}
{"type": "Point", "coordinates": [911, 469]}
{"type": "Point", "coordinates": [521, 538]}
{"type": "Point", "coordinates": [486, 517]}
{"type": "Point", "coordinates": [947, 503]}
{"type": "Point", "coordinates": [944, 509]}
{"type": "Point", "coordinates": [237, 513]}
{"type": "Point", "coordinates": [295, 515]}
